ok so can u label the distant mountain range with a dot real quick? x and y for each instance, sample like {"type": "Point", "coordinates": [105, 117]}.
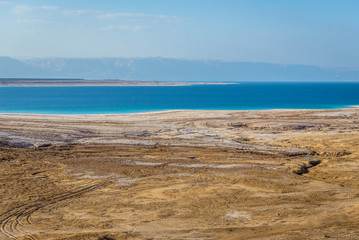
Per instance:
{"type": "Point", "coordinates": [166, 69]}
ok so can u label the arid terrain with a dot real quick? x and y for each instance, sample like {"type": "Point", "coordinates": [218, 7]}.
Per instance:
{"type": "Point", "coordinates": [279, 174]}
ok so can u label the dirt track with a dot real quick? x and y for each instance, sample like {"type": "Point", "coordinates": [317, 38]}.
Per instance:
{"type": "Point", "coordinates": [280, 174]}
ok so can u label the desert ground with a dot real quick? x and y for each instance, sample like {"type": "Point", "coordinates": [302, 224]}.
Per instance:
{"type": "Point", "coordinates": [278, 174]}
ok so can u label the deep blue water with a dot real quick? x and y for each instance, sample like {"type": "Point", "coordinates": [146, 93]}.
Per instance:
{"type": "Point", "coordinates": [245, 96]}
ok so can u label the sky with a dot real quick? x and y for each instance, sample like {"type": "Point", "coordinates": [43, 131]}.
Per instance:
{"type": "Point", "coordinates": [322, 32]}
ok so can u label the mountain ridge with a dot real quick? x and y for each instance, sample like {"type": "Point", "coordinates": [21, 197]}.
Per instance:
{"type": "Point", "coordinates": [168, 69]}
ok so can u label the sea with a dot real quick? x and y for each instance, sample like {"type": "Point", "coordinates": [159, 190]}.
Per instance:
{"type": "Point", "coordinates": [112, 100]}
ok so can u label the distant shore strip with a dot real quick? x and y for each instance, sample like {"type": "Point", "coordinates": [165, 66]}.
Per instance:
{"type": "Point", "coordinates": [33, 82]}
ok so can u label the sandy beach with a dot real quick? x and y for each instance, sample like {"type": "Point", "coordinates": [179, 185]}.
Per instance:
{"type": "Point", "coordinates": [271, 174]}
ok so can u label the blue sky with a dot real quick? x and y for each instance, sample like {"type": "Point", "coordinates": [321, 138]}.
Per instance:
{"type": "Point", "coordinates": [321, 32]}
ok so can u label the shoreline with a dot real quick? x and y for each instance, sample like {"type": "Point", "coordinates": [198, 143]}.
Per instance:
{"type": "Point", "coordinates": [182, 110]}
{"type": "Point", "coordinates": [97, 83]}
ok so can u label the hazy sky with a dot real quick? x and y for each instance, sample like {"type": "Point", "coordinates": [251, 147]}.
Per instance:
{"type": "Point", "coordinates": [312, 32]}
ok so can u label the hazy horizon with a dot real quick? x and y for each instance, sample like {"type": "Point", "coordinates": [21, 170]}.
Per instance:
{"type": "Point", "coordinates": [321, 33]}
{"type": "Point", "coordinates": [22, 58]}
{"type": "Point", "coordinates": [169, 69]}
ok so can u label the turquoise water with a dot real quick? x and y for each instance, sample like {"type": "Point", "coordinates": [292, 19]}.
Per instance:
{"type": "Point", "coordinates": [244, 96]}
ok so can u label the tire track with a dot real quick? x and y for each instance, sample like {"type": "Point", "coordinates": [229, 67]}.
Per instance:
{"type": "Point", "coordinates": [11, 220]}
